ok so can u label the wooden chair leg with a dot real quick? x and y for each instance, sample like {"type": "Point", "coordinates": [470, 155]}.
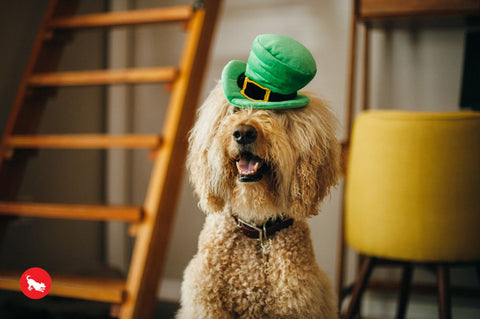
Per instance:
{"type": "Point", "coordinates": [443, 278]}
{"type": "Point", "coordinates": [477, 267]}
{"type": "Point", "coordinates": [341, 255]}
{"type": "Point", "coordinates": [359, 288]}
{"type": "Point", "coordinates": [404, 291]}
{"type": "Point", "coordinates": [358, 309]}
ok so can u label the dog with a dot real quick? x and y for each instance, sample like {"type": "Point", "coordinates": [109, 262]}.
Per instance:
{"type": "Point", "coordinates": [37, 286]}
{"type": "Point", "coordinates": [259, 170]}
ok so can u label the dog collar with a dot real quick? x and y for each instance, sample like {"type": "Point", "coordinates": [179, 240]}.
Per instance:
{"type": "Point", "coordinates": [264, 231]}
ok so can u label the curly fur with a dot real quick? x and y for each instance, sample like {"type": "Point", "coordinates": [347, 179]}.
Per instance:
{"type": "Point", "coordinates": [231, 276]}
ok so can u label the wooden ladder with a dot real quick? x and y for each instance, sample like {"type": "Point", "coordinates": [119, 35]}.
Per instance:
{"type": "Point", "coordinates": [153, 221]}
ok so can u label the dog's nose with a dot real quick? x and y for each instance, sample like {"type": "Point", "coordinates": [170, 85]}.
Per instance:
{"type": "Point", "coordinates": [244, 134]}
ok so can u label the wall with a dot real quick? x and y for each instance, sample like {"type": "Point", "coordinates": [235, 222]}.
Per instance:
{"type": "Point", "coordinates": [417, 68]}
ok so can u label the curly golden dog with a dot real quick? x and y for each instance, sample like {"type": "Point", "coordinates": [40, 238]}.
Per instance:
{"type": "Point", "coordinates": [259, 174]}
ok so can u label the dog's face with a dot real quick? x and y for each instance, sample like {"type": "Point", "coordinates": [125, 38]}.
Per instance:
{"type": "Point", "coordinates": [262, 163]}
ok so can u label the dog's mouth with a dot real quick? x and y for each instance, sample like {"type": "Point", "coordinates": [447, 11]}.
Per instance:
{"type": "Point", "coordinates": [250, 167]}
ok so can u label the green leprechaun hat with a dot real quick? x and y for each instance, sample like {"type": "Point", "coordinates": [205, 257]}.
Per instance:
{"type": "Point", "coordinates": [276, 69]}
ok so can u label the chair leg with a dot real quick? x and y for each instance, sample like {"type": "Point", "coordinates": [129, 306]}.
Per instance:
{"type": "Point", "coordinates": [404, 291]}
{"type": "Point", "coordinates": [443, 278]}
{"type": "Point", "coordinates": [359, 288]}
{"type": "Point", "coordinates": [477, 267]}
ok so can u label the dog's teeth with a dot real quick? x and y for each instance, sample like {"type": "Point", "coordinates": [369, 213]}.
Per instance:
{"type": "Point", "coordinates": [247, 172]}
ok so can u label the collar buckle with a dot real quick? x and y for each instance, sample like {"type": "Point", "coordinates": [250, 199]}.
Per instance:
{"type": "Point", "coordinates": [262, 232]}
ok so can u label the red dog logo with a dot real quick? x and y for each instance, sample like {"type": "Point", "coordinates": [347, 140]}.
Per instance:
{"type": "Point", "coordinates": [32, 284]}
{"type": "Point", "coordinates": [35, 283]}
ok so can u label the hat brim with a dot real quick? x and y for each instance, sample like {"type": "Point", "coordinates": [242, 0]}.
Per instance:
{"type": "Point", "coordinates": [230, 74]}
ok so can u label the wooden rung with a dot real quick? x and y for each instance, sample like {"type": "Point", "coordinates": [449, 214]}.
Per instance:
{"type": "Point", "coordinates": [102, 77]}
{"type": "Point", "coordinates": [84, 141]}
{"type": "Point", "coordinates": [113, 19]}
{"type": "Point", "coordinates": [69, 211]}
{"type": "Point", "coordinates": [96, 289]}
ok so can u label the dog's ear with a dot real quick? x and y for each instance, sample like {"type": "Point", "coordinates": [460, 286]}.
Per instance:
{"type": "Point", "coordinates": [200, 162]}
{"type": "Point", "coordinates": [318, 163]}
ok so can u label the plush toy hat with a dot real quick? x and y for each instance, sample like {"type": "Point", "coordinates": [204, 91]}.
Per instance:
{"type": "Point", "coordinates": [277, 68]}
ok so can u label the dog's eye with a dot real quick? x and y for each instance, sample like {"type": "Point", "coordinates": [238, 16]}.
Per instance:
{"type": "Point", "coordinates": [235, 109]}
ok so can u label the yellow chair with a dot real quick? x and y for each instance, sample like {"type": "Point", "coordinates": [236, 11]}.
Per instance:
{"type": "Point", "coordinates": [413, 195]}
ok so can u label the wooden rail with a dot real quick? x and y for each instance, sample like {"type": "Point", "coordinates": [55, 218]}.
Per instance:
{"type": "Point", "coordinates": [98, 289]}
{"type": "Point", "coordinates": [70, 211]}
{"type": "Point", "coordinates": [84, 141]}
{"type": "Point", "coordinates": [114, 19]}
{"type": "Point", "coordinates": [99, 77]}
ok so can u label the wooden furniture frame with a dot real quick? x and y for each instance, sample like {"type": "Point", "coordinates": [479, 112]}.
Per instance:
{"type": "Point", "coordinates": [153, 220]}
{"type": "Point", "coordinates": [367, 14]}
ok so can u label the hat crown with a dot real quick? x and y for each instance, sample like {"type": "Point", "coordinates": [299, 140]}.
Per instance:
{"type": "Point", "coordinates": [280, 63]}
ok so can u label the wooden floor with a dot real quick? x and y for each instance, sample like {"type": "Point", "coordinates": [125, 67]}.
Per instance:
{"type": "Point", "coordinates": [14, 305]}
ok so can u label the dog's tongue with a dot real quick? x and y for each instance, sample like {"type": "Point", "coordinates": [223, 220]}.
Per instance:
{"type": "Point", "coordinates": [248, 165]}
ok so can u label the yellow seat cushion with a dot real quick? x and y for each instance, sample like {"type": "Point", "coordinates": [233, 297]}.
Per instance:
{"type": "Point", "coordinates": [413, 186]}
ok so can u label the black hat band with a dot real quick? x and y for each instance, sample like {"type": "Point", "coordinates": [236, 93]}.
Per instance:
{"type": "Point", "coordinates": [255, 92]}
